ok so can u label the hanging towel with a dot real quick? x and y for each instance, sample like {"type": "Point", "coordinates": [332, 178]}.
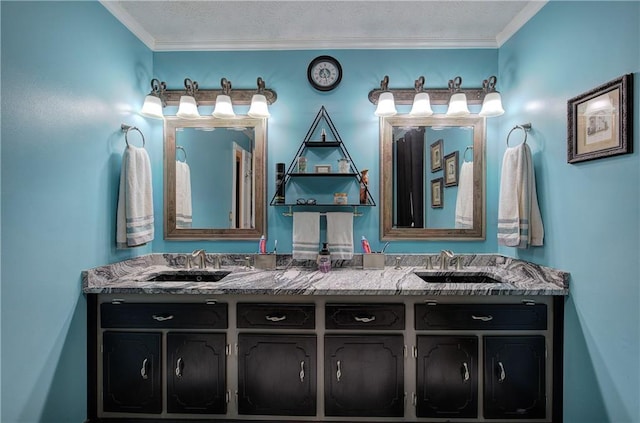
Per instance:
{"type": "Point", "coordinates": [134, 221]}
{"type": "Point", "coordinates": [183, 195]}
{"type": "Point", "coordinates": [519, 220]}
{"type": "Point", "coordinates": [340, 235]}
{"type": "Point", "coordinates": [306, 235]}
{"type": "Point", "coordinates": [464, 200]}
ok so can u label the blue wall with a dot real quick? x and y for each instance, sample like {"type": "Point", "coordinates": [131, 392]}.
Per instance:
{"type": "Point", "coordinates": [590, 210]}
{"type": "Point", "coordinates": [349, 109]}
{"type": "Point", "coordinates": [71, 74]}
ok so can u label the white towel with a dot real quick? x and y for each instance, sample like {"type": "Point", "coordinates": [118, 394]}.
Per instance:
{"type": "Point", "coordinates": [306, 235]}
{"type": "Point", "coordinates": [183, 195]}
{"type": "Point", "coordinates": [519, 220]}
{"type": "Point", "coordinates": [464, 200]}
{"type": "Point", "coordinates": [340, 235]}
{"type": "Point", "coordinates": [134, 221]}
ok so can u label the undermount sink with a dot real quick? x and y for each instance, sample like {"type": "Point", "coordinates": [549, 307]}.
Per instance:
{"type": "Point", "coordinates": [190, 276]}
{"type": "Point", "coordinates": [431, 278]}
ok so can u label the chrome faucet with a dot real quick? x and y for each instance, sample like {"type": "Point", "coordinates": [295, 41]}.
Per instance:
{"type": "Point", "coordinates": [216, 262]}
{"type": "Point", "coordinates": [202, 260]}
{"type": "Point", "coordinates": [445, 255]}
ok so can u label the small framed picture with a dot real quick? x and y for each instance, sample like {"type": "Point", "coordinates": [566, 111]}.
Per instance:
{"type": "Point", "coordinates": [451, 169]}
{"type": "Point", "coordinates": [436, 156]}
{"type": "Point", "coordinates": [323, 168]}
{"type": "Point", "coordinates": [436, 193]}
{"type": "Point", "coordinates": [600, 121]}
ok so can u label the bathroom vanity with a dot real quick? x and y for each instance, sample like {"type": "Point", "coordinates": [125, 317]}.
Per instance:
{"type": "Point", "coordinates": [399, 344]}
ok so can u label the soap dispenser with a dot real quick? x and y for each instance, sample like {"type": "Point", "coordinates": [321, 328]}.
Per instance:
{"type": "Point", "coordinates": [324, 259]}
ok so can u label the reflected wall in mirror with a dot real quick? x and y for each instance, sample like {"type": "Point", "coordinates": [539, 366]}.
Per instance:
{"type": "Point", "coordinates": [414, 154]}
{"type": "Point", "coordinates": [214, 178]}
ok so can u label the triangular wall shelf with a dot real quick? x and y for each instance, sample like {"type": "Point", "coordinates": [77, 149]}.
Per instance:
{"type": "Point", "coordinates": [322, 134]}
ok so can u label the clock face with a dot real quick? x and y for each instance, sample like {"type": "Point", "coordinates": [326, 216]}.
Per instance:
{"type": "Point", "coordinates": [324, 73]}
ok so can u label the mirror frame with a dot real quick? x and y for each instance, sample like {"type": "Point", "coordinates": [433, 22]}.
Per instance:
{"type": "Point", "coordinates": [387, 231]}
{"type": "Point", "coordinates": [171, 232]}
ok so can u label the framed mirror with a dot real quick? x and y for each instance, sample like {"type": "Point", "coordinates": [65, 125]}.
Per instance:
{"type": "Point", "coordinates": [214, 178]}
{"type": "Point", "coordinates": [432, 178]}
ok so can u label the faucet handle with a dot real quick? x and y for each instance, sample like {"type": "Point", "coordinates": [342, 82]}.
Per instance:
{"type": "Point", "coordinates": [427, 263]}
{"type": "Point", "coordinates": [398, 260]}
{"type": "Point", "coordinates": [459, 264]}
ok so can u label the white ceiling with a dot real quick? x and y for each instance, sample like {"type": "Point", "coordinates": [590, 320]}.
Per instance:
{"type": "Point", "coordinates": [177, 25]}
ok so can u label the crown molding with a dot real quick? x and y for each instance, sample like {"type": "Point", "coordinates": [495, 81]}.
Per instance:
{"type": "Point", "coordinates": [518, 22]}
{"type": "Point", "coordinates": [129, 22]}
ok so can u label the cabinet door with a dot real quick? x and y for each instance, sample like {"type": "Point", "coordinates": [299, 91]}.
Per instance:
{"type": "Point", "coordinates": [277, 374]}
{"type": "Point", "coordinates": [447, 376]}
{"type": "Point", "coordinates": [514, 377]}
{"type": "Point", "coordinates": [364, 375]}
{"type": "Point", "coordinates": [131, 372]}
{"type": "Point", "coordinates": [196, 373]}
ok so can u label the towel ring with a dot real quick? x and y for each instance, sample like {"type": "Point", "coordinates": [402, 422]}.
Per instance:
{"type": "Point", "coordinates": [126, 129]}
{"type": "Point", "coordinates": [525, 127]}
{"type": "Point", "coordinates": [184, 152]}
{"type": "Point", "coordinates": [464, 155]}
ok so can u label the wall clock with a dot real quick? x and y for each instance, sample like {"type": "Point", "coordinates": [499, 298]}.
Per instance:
{"type": "Point", "coordinates": [324, 73]}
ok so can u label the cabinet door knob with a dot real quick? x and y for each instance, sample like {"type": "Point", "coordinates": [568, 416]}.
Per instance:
{"type": "Point", "coordinates": [179, 366]}
{"type": "Point", "coordinates": [465, 373]}
{"type": "Point", "coordinates": [364, 319]}
{"type": "Point", "coordinates": [338, 371]}
{"type": "Point", "coordinates": [502, 376]}
{"type": "Point", "coordinates": [143, 370]}
{"type": "Point", "coordinates": [275, 318]}
{"type": "Point", "coordinates": [302, 371]}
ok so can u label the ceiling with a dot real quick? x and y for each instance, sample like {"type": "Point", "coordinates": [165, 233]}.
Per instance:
{"type": "Point", "coordinates": [177, 25]}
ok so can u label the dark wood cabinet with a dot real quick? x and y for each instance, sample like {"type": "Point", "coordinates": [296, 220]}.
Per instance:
{"type": "Point", "coordinates": [514, 377]}
{"type": "Point", "coordinates": [132, 372]}
{"type": "Point", "coordinates": [196, 373]}
{"type": "Point", "coordinates": [364, 375]}
{"type": "Point", "coordinates": [447, 377]}
{"type": "Point", "coordinates": [277, 374]}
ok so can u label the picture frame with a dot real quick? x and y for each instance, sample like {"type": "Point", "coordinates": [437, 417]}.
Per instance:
{"type": "Point", "coordinates": [322, 168]}
{"type": "Point", "coordinates": [436, 155]}
{"type": "Point", "coordinates": [451, 169]}
{"type": "Point", "coordinates": [600, 121]}
{"type": "Point", "coordinates": [437, 193]}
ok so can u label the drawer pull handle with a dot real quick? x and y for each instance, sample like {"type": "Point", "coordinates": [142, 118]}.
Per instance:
{"type": "Point", "coordinates": [364, 319]}
{"type": "Point", "coordinates": [502, 376]}
{"type": "Point", "coordinates": [482, 318]}
{"type": "Point", "coordinates": [302, 371]}
{"type": "Point", "coordinates": [338, 371]}
{"type": "Point", "coordinates": [275, 318]}
{"type": "Point", "coordinates": [159, 318]}
{"type": "Point", "coordinates": [143, 370]}
{"type": "Point", "coordinates": [179, 367]}
{"type": "Point", "coordinates": [465, 374]}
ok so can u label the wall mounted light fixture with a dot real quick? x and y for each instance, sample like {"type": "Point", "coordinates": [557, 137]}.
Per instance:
{"type": "Point", "coordinates": [200, 97]}
{"type": "Point", "coordinates": [154, 101]}
{"type": "Point", "coordinates": [259, 107]}
{"type": "Point", "coordinates": [492, 103]}
{"type": "Point", "coordinates": [442, 96]}
{"type": "Point", "coordinates": [386, 102]}
{"type": "Point", "coordinates": [188, 108]}
{"type": "Point", "coordinates": [224, 108]}
{"type": "Point", "coordinates": [421, 102]}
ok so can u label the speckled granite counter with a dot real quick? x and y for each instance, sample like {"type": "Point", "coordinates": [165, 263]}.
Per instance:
{"type": "Point", "coordinates": [515, 277]}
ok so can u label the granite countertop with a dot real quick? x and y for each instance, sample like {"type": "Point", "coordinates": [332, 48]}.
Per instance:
{"type": "Point", "coordinates": [515, 277]}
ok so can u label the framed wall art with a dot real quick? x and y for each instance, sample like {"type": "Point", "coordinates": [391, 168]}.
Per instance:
{"type": "Point", "coordinates": [437, 193]}
{"type": "Point", "coordinates": [600, 121]}
{"type": "Point", "coordinates": [436, 156]}
{"type": "Point", "coordinates": [451, 169]}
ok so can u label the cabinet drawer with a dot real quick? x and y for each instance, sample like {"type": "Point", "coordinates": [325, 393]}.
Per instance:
{"type": "Point", "coordinates": [164, 315]}
{"type": "Point", "coordinates": [286, 316]}
{"type": "Point", "coordinates": [481, 316]}
{"type": "Point", "coordinates": [365, 316]}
